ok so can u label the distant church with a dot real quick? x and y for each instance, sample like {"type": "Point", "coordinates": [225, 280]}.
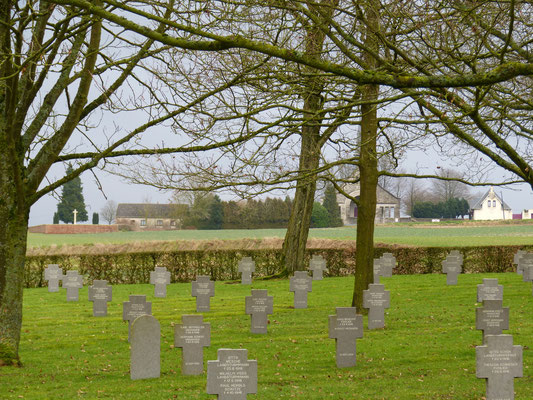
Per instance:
{"type": "Point", "coordinates": [387, 207]}
{"type": "Point", "coordinates": [491, 207]}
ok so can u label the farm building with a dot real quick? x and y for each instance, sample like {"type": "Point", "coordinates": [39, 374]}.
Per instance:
{"type": "Point", "coordinates": [146, 216]}
{"type": "Point", "coordinates": [491, 207]}
{"type": "Point", "coordinates": [387, 207]}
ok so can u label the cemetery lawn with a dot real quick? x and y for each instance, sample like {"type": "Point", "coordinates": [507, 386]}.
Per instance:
{"type": "Point", "coordinates": [426, 351]}
{"type": "Point", "coordinates": [443, 235]}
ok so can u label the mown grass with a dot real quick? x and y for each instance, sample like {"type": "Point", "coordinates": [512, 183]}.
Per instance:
{"type": "Point", "coordinates": [405, 234]}
{"type": "Point", "coordinates": [426, 351]}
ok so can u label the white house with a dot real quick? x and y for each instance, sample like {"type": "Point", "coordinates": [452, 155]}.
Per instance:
{"type": "Point", "coordinates": [491, 207]}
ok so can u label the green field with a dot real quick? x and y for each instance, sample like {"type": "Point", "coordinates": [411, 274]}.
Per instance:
{"type": "Point", "coordinates": [426, 351]}
{"type": "Point", "coordinates": [416, 235]}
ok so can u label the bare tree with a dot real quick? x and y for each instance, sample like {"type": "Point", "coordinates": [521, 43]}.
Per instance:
{"type": "Point", "coordinates": [445, 189]}
{"type": "Point", "coordinates": [109, 211]}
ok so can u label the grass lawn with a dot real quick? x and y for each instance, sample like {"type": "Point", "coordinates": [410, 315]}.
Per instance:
{"type": "Point", "coordinates": [426, 351]}
{"type": "Point", "coordinates": [416, 235]}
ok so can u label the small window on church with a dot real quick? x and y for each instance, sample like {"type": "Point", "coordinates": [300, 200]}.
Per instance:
{"type": "Point", "coordinates": [489, 203]}
{"type": "Point", "coordinates": [493, 203]}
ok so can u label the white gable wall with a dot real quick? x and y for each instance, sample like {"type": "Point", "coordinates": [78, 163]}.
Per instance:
{"type": "Point", "coordinates": [493, 212]}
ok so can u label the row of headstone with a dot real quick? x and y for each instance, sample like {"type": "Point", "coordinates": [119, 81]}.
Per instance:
{"type": "Point", "coordinates": [452, 266]}
{"type": "Point", "coordinates": [524, 265]}
{"type": "Point", "coordinates": [498, 361]}
{"type": "Point", "coordinates": [383, 266]}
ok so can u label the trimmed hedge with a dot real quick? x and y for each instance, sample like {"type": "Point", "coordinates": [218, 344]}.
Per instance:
{"type": "Point", "coordinates": [128, 268]}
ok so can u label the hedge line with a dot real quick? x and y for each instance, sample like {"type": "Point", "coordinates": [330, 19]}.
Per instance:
{"type": "Point", "coordinates": [222, 264]}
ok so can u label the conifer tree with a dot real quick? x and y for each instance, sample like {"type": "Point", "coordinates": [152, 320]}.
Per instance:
{"type": "Point", "coordinates": [330, 204]}
{"type": "Point", "coordinates": [72, 199]}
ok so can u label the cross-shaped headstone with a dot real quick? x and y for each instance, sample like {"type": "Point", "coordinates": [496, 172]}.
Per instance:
{"type": "Point", "coordinates": [389, 262]}
{"type": "Point", "coordinates": [203, 289]}
{"type": "Point", "coordinates": [376, 299]}
{"type": "Point", "coordinates": [317, 264]}
{"type": "Point", "coordinates": [345, 328]}
{"type": "Point", "coordinates": [246, 267]}
{"type": "Point", "coordinates": [516, 260]}
{"type": "Point", "coordinates": [259, 305]}
{"type": "Point", "coordinates": [160, 278]}
{"type": "Point", "coordinates": [134, 308]}
{"type": "Point", "coordinates": [499, 362]}
{"type": "Point", "coordinates": [452, 269]}
{"type": "Point", "coordinates": [53, 274]}
{"type": "Point", "coordinates": [232, 376]}
{"type": "Point", "coordinates": [300, 284]}
{"type": "Point", "coordinates": [492, 318]}
{"type": "Point", "coordinates": [456, 254]}
{"type": "Point", "coordinates": [192, 335]}
{"type": "Point", "coordinates": [100, 293]}
{"type": "Point", "coordinates": [73, 282]}
{"type": "Point", "coordinates": [145, 348]}
{"type": "Point", "coordinates": [525, 266]}
{"type": "Point", "coordinates": [489, 290]}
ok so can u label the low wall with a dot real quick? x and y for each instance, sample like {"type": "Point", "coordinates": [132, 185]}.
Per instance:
{"type": "Point", "coordinates": [70, 228]}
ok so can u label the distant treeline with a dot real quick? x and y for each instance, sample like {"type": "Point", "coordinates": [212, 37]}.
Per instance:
{"type": "Point", "coordinates": [451, 208]}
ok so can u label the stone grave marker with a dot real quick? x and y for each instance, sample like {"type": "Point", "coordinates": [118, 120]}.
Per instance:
{"type": "Point", "coordinates": [376, 299]}
{"type": "Point", "coordinates": [452, 269]}
{"type": "Point", "coordinates": [389, 262]}
{"type": "Point", "coordinates": [525, 266]}
{"type": "Point", "coordinates": [300, 284]}
{"type": "Point", "coordinates": [489, 290]}
{"type": "Point", "coordinates": [160, 278]}
{"type": "Point", "coordinates": [317, 265]}
{"type": "Point", "coordinates": [455, 254]}
{"type": "Point", "coordinates": [100, 293]}
{"type": "Point", "coordinates": [377, 268]}
{"type": "Point", "coordinates": [246, 267]}
{"type": "Point", "coordinates": [203, 289]}
{"type": "Point", "coordinates": [192, 335]}
{"type": "Point", "coordinates": [145, 348]}
{"type": "Point", "coordinates": [232, 376]}
{"type": "Point", "coordinates": [259, 305]}
{"type": "Point", "coordinates": [345, 328]}
{"type": "Point", "coordinates": [73, 282]}
{"type": "Point", "coordinates": [528, 275]}
{"type": "Point", "coordinates": [134, 308]}
{"type": "Point", "coordinates": [492, 318]}
{"type": "Point", "coordinates": [499, 362]}
{"type": "Point", "coordinates": [516, 260]}
{"type": "Point", "coordinates": [53, 274]}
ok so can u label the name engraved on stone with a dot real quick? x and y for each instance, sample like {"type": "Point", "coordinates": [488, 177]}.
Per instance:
{"type": "Point", "coordinates": [134, 308]}
{"type": "Point", "coordinates": [53, 274]}
{"type": "Point", "coordinates": [203, 289]}
{"type": "Point", "coordinates": [376, 299]}
{"type": "Point", "coordinates": [246, 268]}
{"type": "Point", "coordinates": [160, 277]}
{"type": "Point", "coordinates": [232, 376]}
{"type": "Point", "coordinates": [100, 294]}
{"type": "Point", "coordinates": [73, 282]}
{"type": "Point", "coordinates": [192, 335]}
{"type": "Point", "coordinates": [492, 318]}
{"type": "Point", "coordinates": [317, 265]}
{"type": "Point", "coordinates": [345, 328]}
{"type": "Point", "coordinates": [259, 305]}
{"type": "Point", "coordinates": [489, 290]}
{"type": "Point", "coordinates": [145, 348]}
{"type": "Point", "coordinates": [300, 284]}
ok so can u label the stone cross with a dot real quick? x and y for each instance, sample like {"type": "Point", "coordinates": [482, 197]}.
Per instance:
{"type": "Point", "coordinates": [300, 284]}
{"type": "Point", "coordinates": [452, 269]}
{"type": "Point", "coordinates": [192, 335]}
{"type": "Point", "coordinates": [499, 362]}
{"type": "Point", "coordinates": [246, 267]}
{"type": "Point", "coordinates": [345, 328]}
{"type": "Point", "coordinates": [492, 318]}
{"type": "Point", "coordinates": [232, 376]}
{"type": "Point", "coordinates": [376, 299]}
{"type": "Point", "coordinates": [160, 278]}
{"type": "Point", "coordinates": [389, 262]}
{"type": "Point", "coordinates": [516, 260]}
{"type": "Point", "coordinates": [134, 308]}
{"type": "Point", "coordinates": [73, 282]}
{"type": "Point", "coordinates": [317, 264]}
{"type": "Point", "coordinates": [259, 305]}
{"type": "Point", "coordinates": [489, 290]}
{"type": "Point", "coordinates": [456, 254]}
{"type": "Point", "coordinates": [100, 293]}
{"type": "Point", "coordinates": [145, 348]}
{"type": "Point", "coordinates": [525, 266]}
{"type": "Point", "coordinates": [53, 274]}
{"type": "Point", "coordinates": [203, 289]}
{"type": "Point", "coordinates": [75, 212]}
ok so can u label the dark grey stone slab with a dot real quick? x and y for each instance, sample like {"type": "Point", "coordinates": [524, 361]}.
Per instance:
{"type": "Point", "coordinates": [492, 318]}
{"type": "Point", "coordinates": [452, 269]}
{"type": "Point", "coordinates": [145, 348]}
{"type": "Point", "coordinates": [317, 265]}
{"type": "Point", "coordinates": [73, 282]}
{"type": "Point", "coordinates": [525, 262]}
{"type": "Point", "coordinates": [53, 274]}
{"type": "Point", "coordinates": [160, 278]}
{"type": "Point", "coordinates": [259, 305]}
{"type": "Point", "coordinates": [203, 289]}
{"type": "Point", "coordinates": [489, 290]}
{"type": "Point", "coordinates": [345, 328]}
{"type": "Point", "coordinates": [192, 335]}
{"type": "Point", "coordinates": [134, 308]}
{"type": "Point", "coordinates": [246, 268]}
{"type": "Point", "coordinates": [499, 362]}
{"type": "Point", "coordinates": [376, 299]}
{"type": "Point", "coordinates": [516, 260]}
{"type": "Point", "coordinates": [232, 376]}
{"type": "Point", "coordinates": [100, 294]}
{"type": "Point", "coordinates": [300, 284]}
